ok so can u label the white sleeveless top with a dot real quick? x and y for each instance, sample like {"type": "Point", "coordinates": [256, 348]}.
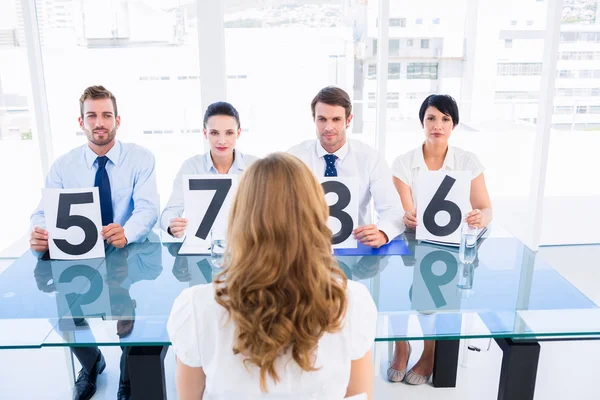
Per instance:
{"type": "Point", "coordinates": [202, 336]}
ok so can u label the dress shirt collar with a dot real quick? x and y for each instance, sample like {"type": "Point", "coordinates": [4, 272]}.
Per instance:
{"type": "Point", "coordinates": [340, 154]}
{"type": "Point", "coordinates": [238, 162]}
{"type": "Point", "coordinates": [419, 159]}
{"type": "Point", "coordinates": [113, 155]}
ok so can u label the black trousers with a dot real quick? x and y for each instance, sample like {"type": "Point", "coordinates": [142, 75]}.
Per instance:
{"type": "Point", "coordinates": [87, 357]}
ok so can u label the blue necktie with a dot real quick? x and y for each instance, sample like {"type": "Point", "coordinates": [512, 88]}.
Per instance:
{"type": "Point", "coordinates": [103, 184]}
{"type": "Point", "coordinates": [330, 165]}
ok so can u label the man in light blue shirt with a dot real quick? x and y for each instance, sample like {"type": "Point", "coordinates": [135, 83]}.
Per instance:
{"type": "Point", "coordinates": [124, 175]}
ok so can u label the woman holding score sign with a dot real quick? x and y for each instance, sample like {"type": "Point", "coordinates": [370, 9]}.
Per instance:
{"type": "Point", "coordinates": [439, 117]}
{"type": "Point", "coordinates": [222, 129]}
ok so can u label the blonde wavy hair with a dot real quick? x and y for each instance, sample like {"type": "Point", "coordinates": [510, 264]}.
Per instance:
{"type": "Point", "coordinates": [281, 285]}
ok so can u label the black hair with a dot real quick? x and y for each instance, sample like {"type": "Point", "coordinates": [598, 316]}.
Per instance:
{"type": "Point", "coordinates": [221, 108]}
{"type": "Point", "coordinates": [444, 103]}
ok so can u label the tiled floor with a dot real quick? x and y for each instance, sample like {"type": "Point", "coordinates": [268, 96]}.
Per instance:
{"type": "Point", "coordinates": [567, 370]}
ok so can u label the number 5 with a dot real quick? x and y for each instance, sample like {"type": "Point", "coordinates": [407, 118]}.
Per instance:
{"type": "Point", "coordinates": [64, 220]}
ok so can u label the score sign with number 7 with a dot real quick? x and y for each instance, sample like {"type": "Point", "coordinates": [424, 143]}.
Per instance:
{"type": "Point", "coordinates": [443, 201]}
{"type": "Point", "coordinates": [207, 199]}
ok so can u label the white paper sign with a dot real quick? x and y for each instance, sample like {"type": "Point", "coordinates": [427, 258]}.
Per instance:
{"type": "Point", "coordinates": [207, 200]}
{"type": "Point", "coordinates": [341, 195]}
{"type": "Point", "coordinates": [81, 289]}
{"type": "Point", "coordinates": [443, 202]}
{"type": "Point", "coordinates": [74, 223]}
{"type": "Point", "coordinates": [434, 279]}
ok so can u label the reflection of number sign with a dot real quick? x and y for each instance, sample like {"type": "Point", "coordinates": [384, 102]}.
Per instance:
{"type": "Point", "coordinates": [207, 200]}
{"type": "Point", "coordinates": [74, 223]}
{"type": "Point", "coordinates": [434, 279]}
{"type": "Point", "coordinates": [442, 204]}
{"type": "Point", "coordinates": [341, 195]}
{"type": "Point", "coordinates": [81, 290]}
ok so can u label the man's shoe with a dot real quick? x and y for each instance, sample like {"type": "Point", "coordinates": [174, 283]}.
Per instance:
{"type": "Point", "coordinates": [124, 392]}
{"type": "Point", "coordinates": [85, 386]}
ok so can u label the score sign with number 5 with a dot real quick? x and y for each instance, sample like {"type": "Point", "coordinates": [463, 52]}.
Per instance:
{"type": "Point", "coordinates": [442, 204]}
{"type": "Point", "coordinates": [341, 195]}
{"type": "Point", "coordinates": [207, 200]}
{"type": "Point", "coordinates": [74, 223]}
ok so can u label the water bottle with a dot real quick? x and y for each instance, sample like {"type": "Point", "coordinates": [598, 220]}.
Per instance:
{"type": "Point", "coordinates": [468, 244]}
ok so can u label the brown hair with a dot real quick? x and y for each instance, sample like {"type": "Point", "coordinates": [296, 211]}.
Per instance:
{"type": "Point", "coordinates": [334, 96]}
{"type": "Point", "coordinates": [281, 285]}
{"type": "Point", "coordinates": [95, 93]}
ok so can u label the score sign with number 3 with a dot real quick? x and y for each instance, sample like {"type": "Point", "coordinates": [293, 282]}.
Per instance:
{"type": "Point", "coordinates": [207, 200]}
{"type": "Point", "coordinates": [74, 223]}
{"type": "Point", "coordinates": [442, 204]}
{"type": "Point", "coordinates": [341, 195]}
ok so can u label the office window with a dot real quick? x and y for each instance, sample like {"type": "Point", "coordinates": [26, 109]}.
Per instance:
{"type": "Point", "coordinates": [581, 92]}
{"type": "Point", "coordinates": [563, 110]}
{"type": "Point", "coordinates": [508, 43]}
{"type": "Point", "coordinates": [424, 43]}
{"type": "Point", "coordinates": [564, 92]}
{"type": "Point", "coordinates": [519, 69]}
{"type": "Point", "coordinates": [394, 47]}
{"type": "Point", "coordinates": [393, 96]}
{"type": "Point", "coordinates": [409, 42]}
{"type": "Point", "coordinates": [372, 71]}
{"type": "Point", "coordinates": [422, 71]}
{"type": "Point", "coordinates": [394, 70]}
{"type": "Point", "coordinates": [568, 37]}
{"type": "Point", "coordinates": [398, 22]}
{"type": "Point", "coordinates": [517, 95]}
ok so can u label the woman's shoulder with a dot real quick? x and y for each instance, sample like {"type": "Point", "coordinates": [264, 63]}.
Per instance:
{"type": "Point", "coordinates": [405, 159]}
{"type": "Point", "coordinates": [465, 159]}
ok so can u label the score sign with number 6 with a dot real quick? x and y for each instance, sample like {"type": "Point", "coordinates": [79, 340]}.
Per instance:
{"type": "Point", "coordinates": [207, 200]}
{"type": "Point", "coordinates": [442, 204]}
{"type": "Point", "coordinates": [74, 223]}
{"type": "Point", "coordinates": [341, 195]}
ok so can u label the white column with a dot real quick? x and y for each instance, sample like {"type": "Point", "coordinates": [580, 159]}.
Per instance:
{"type": "Point", "coordinates": [382, 75]}
{"type": "Point", "coordinates": [544, 120]}
{"type": "Point", "coordinates": [211, 50]}
{"type": "Point", "coordinates": [41, 128]}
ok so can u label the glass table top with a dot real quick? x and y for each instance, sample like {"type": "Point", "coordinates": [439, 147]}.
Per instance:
{"type": "Point", "coordinates": [425, 293]}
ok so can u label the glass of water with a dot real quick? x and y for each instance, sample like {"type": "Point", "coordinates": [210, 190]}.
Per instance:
{"type": "Point", "coordinates": [218, 242]}
{"type": "Point", "coordinates": [466, 273]}
{"type": "Point", "coordinates": [468, 244]}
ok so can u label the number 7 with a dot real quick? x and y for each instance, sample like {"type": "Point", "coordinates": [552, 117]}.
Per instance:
{"type": "Point", "coordinates": [222, 187]}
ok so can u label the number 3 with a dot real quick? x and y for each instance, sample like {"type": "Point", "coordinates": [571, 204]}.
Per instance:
{"type": "Point", "coordinates": [337, 210]}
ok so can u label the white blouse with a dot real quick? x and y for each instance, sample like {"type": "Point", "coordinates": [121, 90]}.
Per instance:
{"type": "Point", "coordinates": [202, 336]}
{"type": "Point", "coordinates": [407, 167]}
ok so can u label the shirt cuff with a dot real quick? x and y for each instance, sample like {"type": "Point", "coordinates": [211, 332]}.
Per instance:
{"type": "Point", "coordinates": [391, 228]}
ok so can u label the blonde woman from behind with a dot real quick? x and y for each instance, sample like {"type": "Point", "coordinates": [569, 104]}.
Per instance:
{"type": "Point", "coordinates": [281, 321]}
